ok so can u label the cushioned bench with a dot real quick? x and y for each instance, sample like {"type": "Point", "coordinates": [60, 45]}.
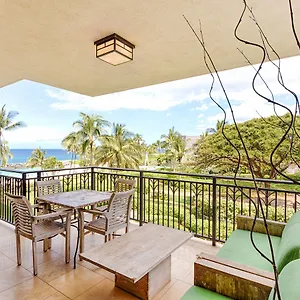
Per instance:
{"type": "Point", "coordinates": [237, 262]}
{"type": "Point", "coordinates": [286, 243]}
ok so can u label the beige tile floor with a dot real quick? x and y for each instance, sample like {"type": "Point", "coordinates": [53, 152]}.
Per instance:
{"type": "Point", "coordinates": [59, 281]}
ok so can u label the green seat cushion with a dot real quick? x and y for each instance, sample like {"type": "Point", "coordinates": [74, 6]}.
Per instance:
{"type": "Point", "coordinates": [289, 279]}
{"type": "Point", "coordinates": [199, 293]}
{"type": "Point", "coordinates": [289, 248]}
{"type": "Point", "coordinates": [238, 248]}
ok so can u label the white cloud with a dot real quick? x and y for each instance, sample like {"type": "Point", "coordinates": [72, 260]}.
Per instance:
{"type": "Point", "coordinates": [202, 107]}
{"type": "Point", "coordinates": [168, 114]}
{"type": "Point", "coordinates": [248, 110]}
{"type": "Point", "coordinates": [158, 97]}
{"type": "Point", "coordinates": [36, 135]}
{"type": "Point", "coordinates": [200, 116]}
{"type": "Point", "coordinates": [238, 84]}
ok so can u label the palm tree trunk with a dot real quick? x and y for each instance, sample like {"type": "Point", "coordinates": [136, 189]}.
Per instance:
{"type": "Point", "coordinates": [91, 154]}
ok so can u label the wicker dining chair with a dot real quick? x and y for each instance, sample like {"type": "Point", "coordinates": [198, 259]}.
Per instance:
{"type": "Point", "coordinates": [48, 187]}
{"type": "Point", "coordinates": [37, 228]}
{"type": "Point", "coordinates": [121, 185]}
{"type": "Point", "coordinates": [107, 223]}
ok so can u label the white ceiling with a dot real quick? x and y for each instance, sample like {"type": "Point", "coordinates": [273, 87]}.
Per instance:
{"type": "Point", "coordinates": [52, 42]}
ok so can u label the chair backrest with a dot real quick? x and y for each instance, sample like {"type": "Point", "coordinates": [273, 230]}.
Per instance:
{"type": "Point", "coordinates": [123, 185]}
{"type": "Point", "coordinates": [118, 210]}
{"type": "Point", "coordinates": [48, 187]}
{"type": "Point", "coordinates": [22, 213]}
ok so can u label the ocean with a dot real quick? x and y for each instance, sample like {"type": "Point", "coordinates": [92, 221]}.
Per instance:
{"type": "Point", "coordinates": [22, 155]}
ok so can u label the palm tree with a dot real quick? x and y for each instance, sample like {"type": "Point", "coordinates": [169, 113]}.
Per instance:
{"type": "Point", "coordinates": [5, 153]}
{"type": "Point", "coordinates": [138, 138]}
{"type": "Point", "coordinates": [7, 123]}
{"type": "Point", "coordinates": [37, 158]}
{"type": "Point", "coordinates": [219, 124]}
{"type": "Point", "coordinates": [72, 144]}
{"type": "Point", "coordinates": [118, 149]}
{"type": "Point", "coordinates": [91, 128]}
{"type": "Point", "coordinates": [175, 146]}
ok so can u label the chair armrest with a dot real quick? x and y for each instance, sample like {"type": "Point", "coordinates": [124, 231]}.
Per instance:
{"type": "Point", "coordinates": [38, 205]}
{"type": "Point", "coordinates": [94, 211]}
{"type": "Point", "coordinates": [235, 283]}
{"type": "Point", "coordinates": [61, 212]}
{"type": "Point", "coordinates": [245, 223]}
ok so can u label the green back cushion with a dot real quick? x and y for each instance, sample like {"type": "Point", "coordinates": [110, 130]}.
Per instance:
{"type": "Point", "coordinates": [199, 293]}
{"type": "Point", "coordinates": [293, 220]}
{"type": "Point", "coordinates": [238, 248]}
{"type": "Point", "coordinates": [289, 248]}
{"type": "Point", "coordinates": [289, 279]}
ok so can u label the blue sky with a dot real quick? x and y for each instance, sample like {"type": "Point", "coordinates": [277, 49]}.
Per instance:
{"type": "Point", "coordinates": [49, 112]}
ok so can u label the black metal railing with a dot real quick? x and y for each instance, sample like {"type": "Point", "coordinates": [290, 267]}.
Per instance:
{"type": "Point", "coordinates": [206, 205]}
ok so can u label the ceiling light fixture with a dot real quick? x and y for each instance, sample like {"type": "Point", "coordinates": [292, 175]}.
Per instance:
{"type": "Point", "coordinates": [114, 49]}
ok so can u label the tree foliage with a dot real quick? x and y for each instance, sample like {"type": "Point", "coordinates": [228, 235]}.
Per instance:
{"type": "Point", "coordinates": [5, 153]}
{"type": "Point", "coordinates": [121, 149]}
{"type": "Point", "coordinates": [36, 159]}
{"type": "Point", "coordinates": [175, 147]}
{"type": "Point", "coordinates": [261, 136]}
{"type": "Point", "coordinates": [52, 163]}
{"type": "Point", "coordinates": [89, 129]}
{"type": "Point", "coordinates": [7, 124]}
{"type": "Point", "coordinates": [7, 121]}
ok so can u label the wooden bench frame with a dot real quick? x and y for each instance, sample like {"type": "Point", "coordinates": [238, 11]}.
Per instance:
{"type": "Point", "coordinates": [245, 223]}
{"type": "Point", "coordinates": [231, 279]}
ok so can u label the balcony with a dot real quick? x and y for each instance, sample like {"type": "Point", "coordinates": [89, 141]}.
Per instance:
{"type": "Point", "coordinates": [205, 205]}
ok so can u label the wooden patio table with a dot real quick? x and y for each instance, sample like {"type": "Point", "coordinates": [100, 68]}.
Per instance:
{"type": "Point", "coordinates": [140, 259]}
{"type": "Point", "coordinates": [76, 199]}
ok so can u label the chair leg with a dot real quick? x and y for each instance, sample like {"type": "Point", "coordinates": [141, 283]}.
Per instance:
{"type": "Point", "coordinates": [94, 217]}
{"type": "Point", "coordinates": [46, 241]}
{"type": "Point", "coordinates": [67, 237]}
{"type": "Point", "coordinates": [18, 244]}
{"type": "Point", "coordinates": [81, 231]}
{"type": "Point", "coordinates": [45, 245]}
{"type": "Point", "coordinates": [126, 229]}
{"type": "Point", "coordinates": [105, 238]}
{"type": "Point", "coordinates": [49, 244]}
{"type": "Point", "coordinates": [34, 258]}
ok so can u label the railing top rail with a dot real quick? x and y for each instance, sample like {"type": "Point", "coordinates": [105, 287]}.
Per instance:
{"type": "Point", "coordinates": [198, 175]}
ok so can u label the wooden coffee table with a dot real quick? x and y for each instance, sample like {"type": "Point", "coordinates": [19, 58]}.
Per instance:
{"type": "Point", "coordinates": [140, 259]}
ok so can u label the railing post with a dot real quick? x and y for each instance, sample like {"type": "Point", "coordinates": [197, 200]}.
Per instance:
{"type": "Point", "coordinates": [38, 175]}
{"type": "Point", "coordinates": [141, 197]}
{"type": "Point", "coordinates": [214, 211]}
{"type": "Point", "coordinates": [92, 178]}
{"type": "Point", "coordinates": [24, 184]}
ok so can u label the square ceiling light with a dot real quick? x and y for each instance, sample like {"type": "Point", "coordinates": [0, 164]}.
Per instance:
{"type": "Point", "coordinates": [114, 49]}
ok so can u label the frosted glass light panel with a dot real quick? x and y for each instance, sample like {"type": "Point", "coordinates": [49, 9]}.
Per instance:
{"type": "Point", "coordinates": [114, 49]}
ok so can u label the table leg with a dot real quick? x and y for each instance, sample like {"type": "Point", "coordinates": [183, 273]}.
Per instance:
{"type": "Point", "coordinates": [149, 285]}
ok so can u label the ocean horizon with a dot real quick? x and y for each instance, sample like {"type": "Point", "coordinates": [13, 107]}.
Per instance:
{"type": "Point", "coordinates": [22, 155]}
